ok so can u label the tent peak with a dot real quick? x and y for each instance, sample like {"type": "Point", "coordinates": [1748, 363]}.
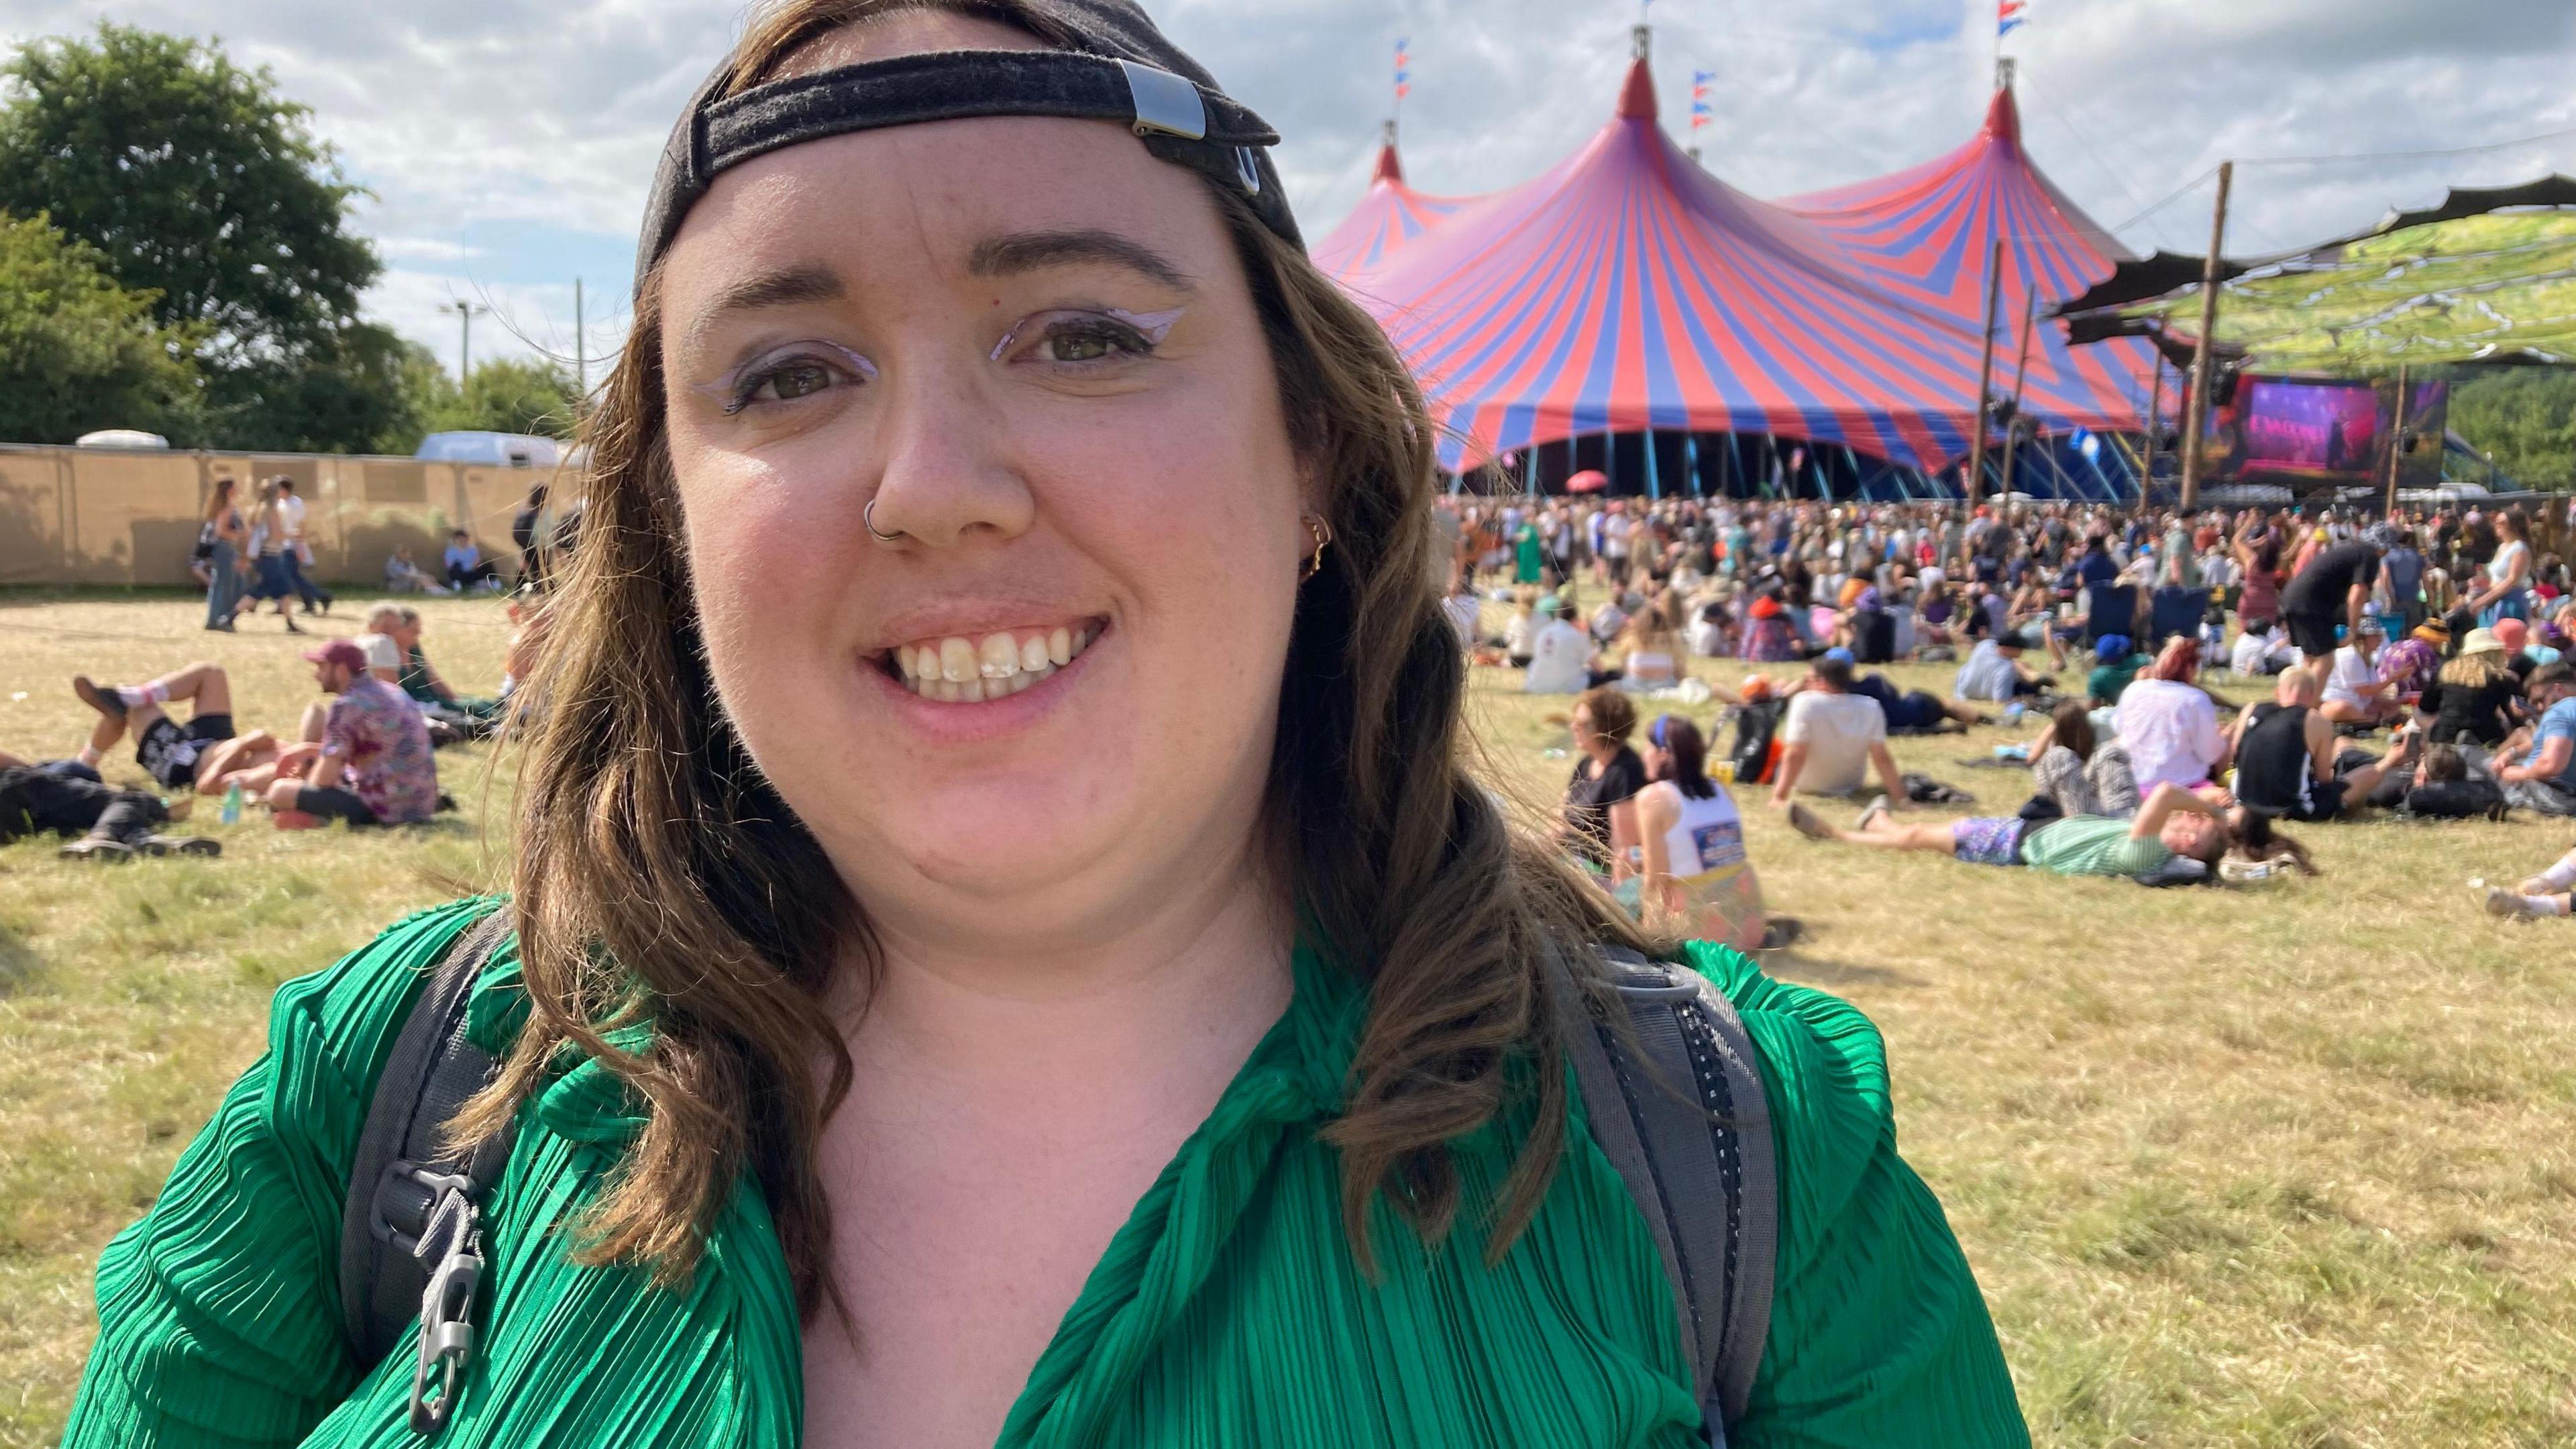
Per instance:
{"type": "Point", "coordinates": [1637, 94]}
{"type": "Point", "coordinates": [1390, 166]}
{"type": "Point", "coordinates": [2003, 116]}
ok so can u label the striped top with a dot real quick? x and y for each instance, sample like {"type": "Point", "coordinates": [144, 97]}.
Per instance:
{"type": "Point", "coordinates": [1227, 1311]}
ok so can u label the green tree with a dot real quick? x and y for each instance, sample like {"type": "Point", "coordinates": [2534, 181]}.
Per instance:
{"type": "Point", "coordinates": [197, 182]}
{"type": "Point", "coordinates": [78, 352]}
{"type": "Point", "coordinates": [2522, 417]}
{"type": "Point", "coordinates": [510, 395]}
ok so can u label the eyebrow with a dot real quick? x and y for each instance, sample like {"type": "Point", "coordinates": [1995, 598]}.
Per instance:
{"type": "Point", "coordinates": [1030, 251]}
{"type": "Point", "coordinates": [791, 286]}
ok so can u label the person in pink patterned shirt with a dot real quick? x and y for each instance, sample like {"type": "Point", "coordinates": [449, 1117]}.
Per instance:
{"type": "Point", "coordinates": [374, 767]}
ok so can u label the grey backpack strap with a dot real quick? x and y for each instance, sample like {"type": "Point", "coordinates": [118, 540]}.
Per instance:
{"type": "Point", "coordinates": [411, 1242]}
{"type": "Point", "coordinates": [1677, 1105]}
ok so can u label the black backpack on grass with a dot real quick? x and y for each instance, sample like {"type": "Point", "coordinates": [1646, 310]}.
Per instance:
{"type": "Point", "coordinates": [1669, 1087]}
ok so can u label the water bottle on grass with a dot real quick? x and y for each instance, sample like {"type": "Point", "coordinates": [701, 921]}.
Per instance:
{"type": "Point", "coordinates": [232, 805]}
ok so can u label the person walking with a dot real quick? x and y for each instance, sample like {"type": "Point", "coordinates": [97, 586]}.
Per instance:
{"type": "Point", "coordinates": [269, 547]}
{"type": "Point", "coordinates": [298, 554]}
{"type": "Point", "coordinates": [228, 564]}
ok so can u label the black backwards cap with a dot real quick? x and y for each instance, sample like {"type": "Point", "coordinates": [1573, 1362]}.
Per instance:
{"type": "Point", "coordinates": [1118, 68]}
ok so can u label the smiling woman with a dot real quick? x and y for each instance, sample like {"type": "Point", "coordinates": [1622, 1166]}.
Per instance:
{"type": "Point", "coordinates": [1006, 946]}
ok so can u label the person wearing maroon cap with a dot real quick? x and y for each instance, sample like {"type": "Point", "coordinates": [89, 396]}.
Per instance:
{"type": "Point", "coordinates": [374, 767]}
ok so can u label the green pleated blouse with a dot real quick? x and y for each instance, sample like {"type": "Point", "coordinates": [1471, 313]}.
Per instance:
{"type": "Point", "coordinates": [1228, 1310]}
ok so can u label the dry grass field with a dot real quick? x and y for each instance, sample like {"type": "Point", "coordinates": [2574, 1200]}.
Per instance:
{"type": "Point", "coordinates": [2292, 1167]}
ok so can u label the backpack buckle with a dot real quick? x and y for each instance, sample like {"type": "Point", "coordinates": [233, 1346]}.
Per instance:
{"type": "Point", "coordinates": [407, 1202]}
{"type": "Point", "coordinates": [446, 1310]}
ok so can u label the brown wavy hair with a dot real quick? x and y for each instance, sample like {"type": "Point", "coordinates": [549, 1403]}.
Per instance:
{"type": "Point", "coordinates": [660, 879]}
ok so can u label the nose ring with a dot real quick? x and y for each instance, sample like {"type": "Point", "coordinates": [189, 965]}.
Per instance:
{"type": "Point", "coordinates": [868, 519]}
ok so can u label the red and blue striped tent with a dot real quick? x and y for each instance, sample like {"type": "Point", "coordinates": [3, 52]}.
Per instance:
{"type": "Point", "coordinates": [1928, 233]}
{"type": "Point", "coordinates": [1388, 216]}
{"type": "Point", "coordinates": [1627, 290]}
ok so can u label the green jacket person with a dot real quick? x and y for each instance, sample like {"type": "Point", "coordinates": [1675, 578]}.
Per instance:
{"type": "Point", "coordinates": [1007, 949]}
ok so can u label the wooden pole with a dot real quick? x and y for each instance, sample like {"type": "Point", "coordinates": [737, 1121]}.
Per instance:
{"type": "Point", "coordinates": [2396, 443]}
{"type": "Point", "coordinates": [2155, 420]}
{"type": "Point", "coordinates": [2196, 406]}
{"type": "Point", "coordinates": [2021, 370]}
{"type": "Point", "coordinates": [1976, 479]}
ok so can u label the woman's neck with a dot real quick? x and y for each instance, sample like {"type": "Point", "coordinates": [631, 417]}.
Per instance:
{"type": "Point", "coordinates": [1181, 989]}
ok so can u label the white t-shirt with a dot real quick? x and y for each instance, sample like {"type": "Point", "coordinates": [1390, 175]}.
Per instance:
{"type": "Point", "coordinates": [2352, 679]}
{"type": "Point", "coordinates": [1614, 536]}
{"type": "Point", "coordinates": [290, 510]}
{"type": "Point", "coordinates": [2170, 731]}
{"type": "Point", "coordinates": [1560, 661]}
{"type": "Point", "coordinates": [1837, 730]}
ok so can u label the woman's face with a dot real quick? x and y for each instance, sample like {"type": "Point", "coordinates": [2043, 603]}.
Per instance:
{"type": "Point", "coordinates": [1031, 345]}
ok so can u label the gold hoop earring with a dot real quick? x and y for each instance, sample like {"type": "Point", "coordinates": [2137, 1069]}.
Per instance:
{"type": "Point", "coordinates": [1323, 534]}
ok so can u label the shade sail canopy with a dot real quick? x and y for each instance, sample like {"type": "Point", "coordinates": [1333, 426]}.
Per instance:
{"type": "Point", "coordinates": [1928, 232]}
{"type": "Point", "coordinates": [1627, 289]}
{"type": "Point", "coordinates": [1388, 216]}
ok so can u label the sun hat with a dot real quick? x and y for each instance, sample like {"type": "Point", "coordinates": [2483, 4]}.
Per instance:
{"type": "Point", "coordinates": [343, 652]}
{"type": "Point", "coordinates": [2372, 628]}
{"type": "Point", "coordinates": [2433, 631]}
{"type": "Point", "coordinates": [2112, 646]}
{"type": "Point", "coordinates": [2512, 634]}
{"type": "Point", "coordinates": [1756, 686]}
{"type": "Point", "coordinates": [381, 651]}
{"type": "Point", "coordinates": [2481, 641]}
{"type": "Point", "coordinates": [1113, 65]}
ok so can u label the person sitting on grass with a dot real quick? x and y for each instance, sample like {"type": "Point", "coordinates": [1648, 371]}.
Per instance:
{"type": "Point", "coordinates": [2352, 693]}
{"type": "Point", "coordinates": [1994, 674]}
{"type": "Point", "coordinates": [2168, 724]}
{"type": "Point", "coordinates": [2287, 764]}
{"type": "Point", "coordinates": [2545, 894]}
{"type": "Point", "coordinates": [204, 755]}
{"type": "Point", "coordinates": [2062, 762]}
{"type": "Point", "coordinates": [2474, 698]}
{"type": "Point", "coordinates": [2116, 661]}
{"type": "Point", "coordinates": [470, 717]}
{"type": "Point", "coordinates": [467, 568]}
{"type": "Point", "coordinates": [404, 576]}
{"type": "Point", "coordinates": [1832, 736]}
{"type": "Point", "coordinates": [1608, 773]}
{"type": "Point", "coordinates": [2173, 822]}
{"type": "Point", "coordinates": [2541, 776]}
{"type": "Point", "coordinates": [1689, 871]}
{"type": "Point", "coordinates": [374, 766]}
{"type": "Point", "coordinates": [2409, 664]}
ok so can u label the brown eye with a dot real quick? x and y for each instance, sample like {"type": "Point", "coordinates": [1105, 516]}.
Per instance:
{"type": "Point", "coordinates": [799, 379]}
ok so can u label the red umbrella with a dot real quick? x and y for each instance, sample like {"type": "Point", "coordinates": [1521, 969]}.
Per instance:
{"type": "Point", "coordinates": [1590, 480]}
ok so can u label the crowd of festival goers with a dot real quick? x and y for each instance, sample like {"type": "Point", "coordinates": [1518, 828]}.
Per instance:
{"type": "Point", "coordinates": [361, 753]}
{"type": "Point", "coordinates": [2413, 664]}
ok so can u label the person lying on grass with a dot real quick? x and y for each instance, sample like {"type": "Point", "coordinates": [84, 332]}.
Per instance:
{"type": "Point", "coordinates": [66, 797]}
{"type": "Point", "coordinates": [374, 766]}
{"type": "Point", "coordinates": [203, 755]}
{"type": "Point", "coordinates": [2173, 822]}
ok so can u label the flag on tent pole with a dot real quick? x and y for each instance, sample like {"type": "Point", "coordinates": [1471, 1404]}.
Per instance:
{"type": "Point", "coordinates": [1403, 70]}
{"type": "Point", "coordinates": [1699, 111]}
{"type": "Point", "coordinates": [2009, 16]}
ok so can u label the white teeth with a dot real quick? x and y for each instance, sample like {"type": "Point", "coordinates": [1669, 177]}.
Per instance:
{"type": "Point", "coordinates": [960, 671]}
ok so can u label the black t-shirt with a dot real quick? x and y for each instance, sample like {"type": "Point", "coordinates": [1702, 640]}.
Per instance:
{"type": "Point", "coordinates": [2481, 715]}
{"type": "Point", "coordinates": [1588, 799]}
{"type": "Point", "coordinates": [2321, 587]}
{"type": "Point", "coordinates": [2274, 772]}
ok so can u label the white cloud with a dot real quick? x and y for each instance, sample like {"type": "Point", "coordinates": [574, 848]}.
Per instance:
{"type": "Point", "coordinates": [509, 143]}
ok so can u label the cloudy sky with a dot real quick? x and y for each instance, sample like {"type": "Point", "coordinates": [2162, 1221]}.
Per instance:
{"type": "Point", "coordinates": [508, 143]}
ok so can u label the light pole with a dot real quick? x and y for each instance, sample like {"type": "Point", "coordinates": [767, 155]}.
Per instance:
{"type": "Point", "coordinates": [465, 312]}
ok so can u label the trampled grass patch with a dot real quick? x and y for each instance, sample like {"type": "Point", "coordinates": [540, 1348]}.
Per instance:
{"type": "Point", "coordinates": [2293, 1167]}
